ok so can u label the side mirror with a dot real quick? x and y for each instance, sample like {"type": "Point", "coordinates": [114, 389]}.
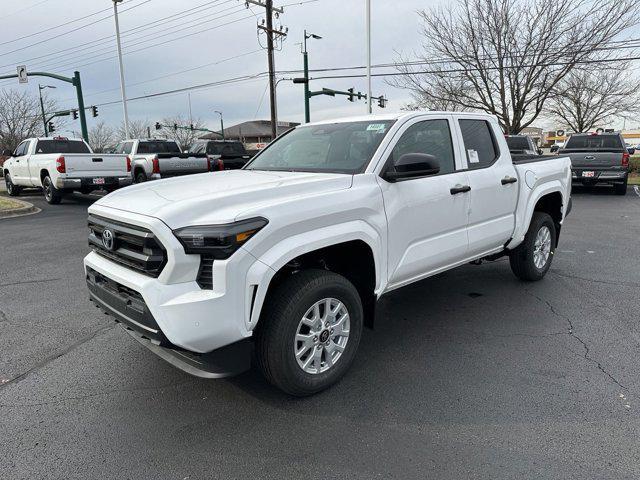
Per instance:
{"type": "Point", "coordinates": [7, 153]}
{"type": "Point", "coordinates": [412, 165]}
{"type": "Point", "coordinates": [631, 151]}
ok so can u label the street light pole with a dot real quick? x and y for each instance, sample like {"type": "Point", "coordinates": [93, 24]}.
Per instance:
{"type": "Point", "coordinates": [221, 124]}
{"type": "Point", "coordinates": [305, 56]}
{"type": "Point", "coordinates": [122, 88]}
{"type": "Point", "coordinates": [44, 118]}
{"type": "Point", "coordinates": [368, 14]}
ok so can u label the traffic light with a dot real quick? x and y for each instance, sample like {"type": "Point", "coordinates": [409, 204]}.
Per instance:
{"type": "Point", "coordinates": [351, 94]}
{"type": "Point", "coordinates": [158, 126]}
{"type": "Point", "coordinates": [191, 126]}
{"type": "Point", "coordinates": [51, 127]}
{"type": "Point", "coordinates": [175, 127]}
{"type": "Point", "coordinates": [74, 113]}
{"type": "Point", "coordinates": [382, 102]}
{"type": "Point", "coordinates": [94, 111]}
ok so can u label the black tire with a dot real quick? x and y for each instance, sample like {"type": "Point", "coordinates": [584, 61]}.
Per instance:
{"type": "Point", "coordinates": [278, 326]}
{"type": "Point", "coordinates": [140, 177]}
{"type": "Point", "coordinates": [52, 195]}
{"type": "Point", "coordinates": [522, 258]}
{"type": "Point", "coordinates": [620, 188]}
{"type": "Point", "coordinates": [12, 189]}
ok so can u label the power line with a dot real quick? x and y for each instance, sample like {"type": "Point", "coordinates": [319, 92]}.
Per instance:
{"type": "Point", "coordinates": [70, 31]}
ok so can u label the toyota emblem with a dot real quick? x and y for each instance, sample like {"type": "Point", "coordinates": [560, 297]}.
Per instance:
{"type": "Point", "coordinates": [108, 239]}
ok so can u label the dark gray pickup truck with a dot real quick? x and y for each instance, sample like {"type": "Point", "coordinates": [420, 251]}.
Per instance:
{"type": "Point", "coordinates": [599, 158]}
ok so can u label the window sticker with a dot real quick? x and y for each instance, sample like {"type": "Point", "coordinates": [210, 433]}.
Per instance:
{"type": "Point", "coordinates": [376, 127]}
{"type": "Point", "coordinates": [473, 156]}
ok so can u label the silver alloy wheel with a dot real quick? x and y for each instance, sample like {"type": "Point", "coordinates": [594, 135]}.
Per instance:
{"type": "Point", "coordinates": [322, 335]}
{"type": "Point", "coordinates": [47, 188]}
{"type": "Point", "coordinates": [9, 184]}
{"type": "Point", "coordinates": [542, 247]}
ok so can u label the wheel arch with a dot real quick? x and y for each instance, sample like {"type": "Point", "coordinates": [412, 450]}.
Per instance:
{"type": "Point", "coordinates": [337, 253]}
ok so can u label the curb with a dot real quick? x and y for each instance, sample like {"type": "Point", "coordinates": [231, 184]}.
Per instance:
{"type": "Point", "coordinates": [26, 209]}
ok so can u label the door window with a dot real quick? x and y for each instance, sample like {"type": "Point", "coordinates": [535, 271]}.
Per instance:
{"type": "Point", "coordinates": [432, 137]}
{"type": "Point", "coordinates": [479, 143]}
{"type": "Point", "coordinates": [127, 147]}
{"type": "Point", "coordinates": [22, 149]}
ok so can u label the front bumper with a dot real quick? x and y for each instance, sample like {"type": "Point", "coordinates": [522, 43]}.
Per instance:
{"type": "Point", "coordinates": [67, 183]}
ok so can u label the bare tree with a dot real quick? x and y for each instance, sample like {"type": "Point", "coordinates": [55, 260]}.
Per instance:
{"type": "Point", "coordinates": [20, 117]}
{"type": "Point", "coordinates": [137, 129]}
{"type": "Point", "coordinates": [506, 57]}
{"type": "Point", "coordinates": [587, 98]}
{"type": "Point", "coordinates": [185, 137]}
{"type": "Point", "coordinates": [101, 136]}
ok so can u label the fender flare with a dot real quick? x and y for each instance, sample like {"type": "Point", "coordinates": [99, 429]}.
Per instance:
{"type": "Point", "coordinates": [261, 273]}
{"type": "Point", "coordinates": [524, 221]}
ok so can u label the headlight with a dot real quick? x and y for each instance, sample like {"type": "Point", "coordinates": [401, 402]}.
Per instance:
{"type": "Point", "coordinates": [219, 241]}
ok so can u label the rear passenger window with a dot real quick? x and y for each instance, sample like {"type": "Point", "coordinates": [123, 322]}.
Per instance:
{"type": "Point", "coordinates": [479, 143]}
{"type": "Point", "coordinates": [432, 137]}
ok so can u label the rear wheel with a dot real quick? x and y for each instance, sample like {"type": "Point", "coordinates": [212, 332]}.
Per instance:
{"type": "Point", "coordinates": [531, 260]}
{"type": "Point", "coordinates": [309, 332]}
{"type": "Point", "coordinates": [620, 188]}
{"type": "Point", "coordinates": [12, 189]}
{"type": "Point", "coordinates": [141, 177]}
{"type": "Point", "coordinates": [52, 195]}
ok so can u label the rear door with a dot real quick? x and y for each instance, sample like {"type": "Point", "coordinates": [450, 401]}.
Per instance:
{"type": "Point", "coordinates": [493, 181]}
{"type": "Point", "coordinates": [21, 164]}
{"type": "Point", "coordinates": [427, 217]}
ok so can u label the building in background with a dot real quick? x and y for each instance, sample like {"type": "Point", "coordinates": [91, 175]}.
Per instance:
{"type": "Point", "coordinates": [255, 134]}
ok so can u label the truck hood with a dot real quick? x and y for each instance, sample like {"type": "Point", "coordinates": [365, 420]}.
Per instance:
{"type": "Point", "coordinates": [219, 197]}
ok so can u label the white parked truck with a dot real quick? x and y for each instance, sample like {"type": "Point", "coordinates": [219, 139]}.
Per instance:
{"type": "Point", "coordinates": [153, 158]}
{"type": "Point", "coordinates": [289, 255]}
{"type": "Point", "coordinates": [62, 165]}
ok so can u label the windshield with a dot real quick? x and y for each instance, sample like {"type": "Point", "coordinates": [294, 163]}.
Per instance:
{"type": "Point", "coordinates": [595, 142]}
{"type": "Point", "coordinates": [518, 143]}
{"type": "Point", "coordinates": [158, 147]}
{"type": "Point", "coordinates": [62, 146]}
{"type": "Point", "coordinates": [335, 148]}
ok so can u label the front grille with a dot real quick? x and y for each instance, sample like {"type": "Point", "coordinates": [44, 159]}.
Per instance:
{"type": "Point", "coordinates": [205, 274]}
{"type": "Point", "coordinates": [133, 246]}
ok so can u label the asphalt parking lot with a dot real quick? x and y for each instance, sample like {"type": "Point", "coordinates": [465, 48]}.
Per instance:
{"type": "Point", "coordinates": [470, 374]}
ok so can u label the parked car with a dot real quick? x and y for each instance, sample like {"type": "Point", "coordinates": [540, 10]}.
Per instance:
{"type": "Point", "coordinates": [61, 165]}
{"type": "Point", "coordinates": [556, 147]}
{"type": "Point", "coordinates": [599, 158]}
{"type": "Point", "coordinates": [290, 254]}
{"type": "Point", "coordinates": [522, 145]}
{"type": "Point", "coordinates": [152, 159]}
{"type": "Point", "coordinates": [230, 154]}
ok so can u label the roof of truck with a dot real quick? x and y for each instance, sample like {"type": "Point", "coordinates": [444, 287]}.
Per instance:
{"type": "Point", "coordinates": [397, 116]}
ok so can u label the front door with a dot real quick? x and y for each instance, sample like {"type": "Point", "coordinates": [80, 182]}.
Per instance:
{"type": "Point", "coordinates": [427, 217]}
{"type": "Point", "coordinates": [21, 165]}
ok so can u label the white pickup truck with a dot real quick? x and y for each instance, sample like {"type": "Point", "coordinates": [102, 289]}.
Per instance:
{"type": "Point", "coordinates": [153, 158]}
{"type": "Point", "coordinates": [61, 165]}
{"type": "Point", "coordinates": [289, 255]}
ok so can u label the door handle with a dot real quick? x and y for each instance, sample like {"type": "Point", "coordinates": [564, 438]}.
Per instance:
{"type": "Point", "coordinates": [507, 180]}
{"type": "Point", "coordinates": [460, 189]}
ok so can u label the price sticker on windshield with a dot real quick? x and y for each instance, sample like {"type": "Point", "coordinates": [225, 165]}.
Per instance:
{"type": "Point", "coordinates": [376, 127]}
{"type": "Point", "coordinates": [473, 156]}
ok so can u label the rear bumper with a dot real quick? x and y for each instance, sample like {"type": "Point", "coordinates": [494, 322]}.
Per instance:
{"type": "Point", "coordinates": [599, 175]}
{"type": "Point", "coordinates": [88, 182]}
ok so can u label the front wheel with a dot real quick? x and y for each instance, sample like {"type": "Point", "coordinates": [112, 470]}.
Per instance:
{"type": "Point", "coordinates": [12, 189]}
{"type": "Point", "coordinates": [52, 195]}
{"type": "Point", "coordinates": [309, 332]}
{"type": "Point", "coordinates": [531, 260]}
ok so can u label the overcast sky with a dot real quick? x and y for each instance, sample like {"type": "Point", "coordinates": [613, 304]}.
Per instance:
{"type": "Point", "coordinates": [157, 59]}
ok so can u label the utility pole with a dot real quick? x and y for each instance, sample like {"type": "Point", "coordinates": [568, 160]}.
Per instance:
{"type": "Point", "coordinates": [369, 98]}
{"type": "Point", "coordinates": [44, 118]}
{"type": "Point", "coordinates": [271, 33]}
{"type": "Point", "coordinates": [122, 88]}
